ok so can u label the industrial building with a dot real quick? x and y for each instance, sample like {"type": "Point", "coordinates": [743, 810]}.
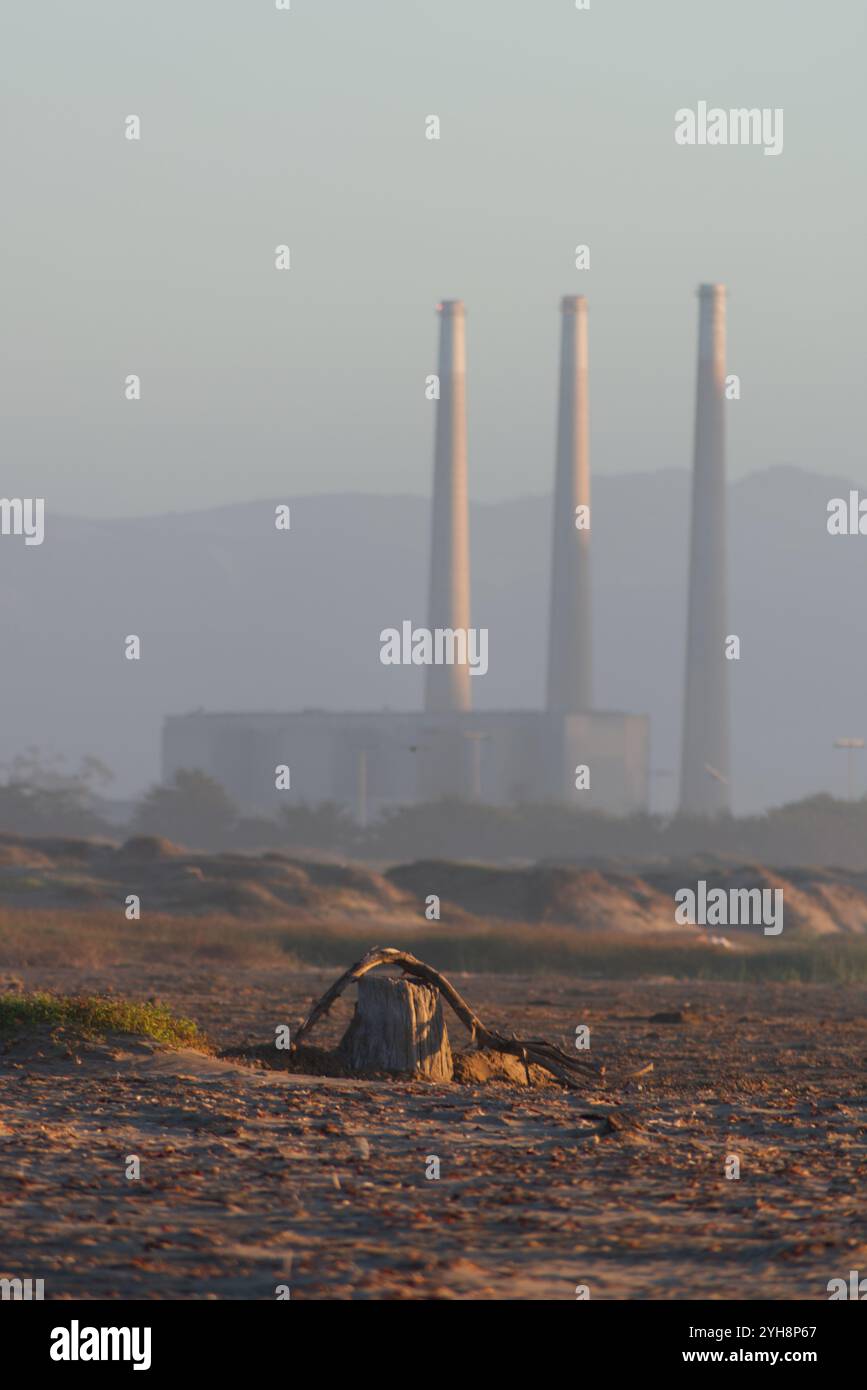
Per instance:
{"type": "Point", "coordinates": [568, 753]}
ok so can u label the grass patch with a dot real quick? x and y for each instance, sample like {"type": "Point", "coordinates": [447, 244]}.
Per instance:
{"type": "Point", "coordinates": [95, 1016]}
{"type": "Point", "coordinates": [100, 939]}
{"type": "Point", "coordinates": [521, 950]}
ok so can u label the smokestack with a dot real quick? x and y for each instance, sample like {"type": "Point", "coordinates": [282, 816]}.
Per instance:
{"type": "Point", "coordinates": [704, 770]}
{"type": "Point", "coordinates": [448, 687]}
{"type": "Point", "coordinates": [570, 670]}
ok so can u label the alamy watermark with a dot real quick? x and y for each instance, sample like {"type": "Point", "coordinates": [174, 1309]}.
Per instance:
{"type": "Point", "coordinates": [733, 907]}
{"type": "Point", "coordinates": [22, 1290]}
{"type": "Point", "coordinates": [847, 517]}
{"type": "Point", "coordinates": [77, 1343]}
{"type": "Point", "coordinates": [442, 646]}
{"type": "Point", "coordinates": [739, 126]}
{"type": "Point", "coordinates": [23, 516]}
{"type": "Point", "coordinates": [855, 1289]}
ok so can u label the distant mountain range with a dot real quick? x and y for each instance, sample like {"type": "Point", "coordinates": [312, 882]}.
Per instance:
{"type": "Point", "coordinates": [234, 614]}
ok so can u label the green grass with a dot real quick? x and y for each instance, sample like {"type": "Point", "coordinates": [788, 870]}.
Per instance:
{"type": "Point", "coordinates": [541, 950]}
{"type": "Point", "coordinates": [100, 939]}
{"type": "Point", "coordinates": [95, 1016]}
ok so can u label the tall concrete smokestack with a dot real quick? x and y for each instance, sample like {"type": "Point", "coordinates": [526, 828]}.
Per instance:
{"type": "Point", "coordinates": [448, 687]}
{"type": "Point", "coordinates": [704, 769]}
{"type": "Point", "coordinates": [570, 669]}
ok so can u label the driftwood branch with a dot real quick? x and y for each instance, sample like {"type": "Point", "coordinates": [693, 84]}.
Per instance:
{"type": "Point", "coordinates": [569, 1071]}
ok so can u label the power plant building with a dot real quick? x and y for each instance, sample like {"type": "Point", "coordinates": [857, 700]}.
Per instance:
{"type": "Point", "coordinates": [568, 753]}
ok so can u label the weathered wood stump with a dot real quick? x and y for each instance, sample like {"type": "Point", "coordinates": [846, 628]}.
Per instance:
{"type": "Point", "coordinates": [566, 1069]}
{"type": "Point", "coordinates": [398, 1026]}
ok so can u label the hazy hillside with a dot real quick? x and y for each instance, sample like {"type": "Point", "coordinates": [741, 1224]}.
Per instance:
{"type": "Point", "coordinates": [54, 875]}
{"type": "Point", "coordinates": [234, 614]}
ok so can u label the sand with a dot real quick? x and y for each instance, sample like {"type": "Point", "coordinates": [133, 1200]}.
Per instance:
{"type": "Point", "coordinates": [254, 1178]}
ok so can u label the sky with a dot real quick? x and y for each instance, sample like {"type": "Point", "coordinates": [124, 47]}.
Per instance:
{"type": "Point", "coordinates": [306, 127]}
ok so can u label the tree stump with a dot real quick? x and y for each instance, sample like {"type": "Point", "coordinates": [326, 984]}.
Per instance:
{"type": "Point", "coordinates": [398, 1026]}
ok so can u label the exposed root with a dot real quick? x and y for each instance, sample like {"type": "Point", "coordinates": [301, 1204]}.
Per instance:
{"type": "Point", "coordinates": [569, 1071]}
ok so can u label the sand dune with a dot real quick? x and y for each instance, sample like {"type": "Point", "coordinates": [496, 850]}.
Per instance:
{"type": "Point", "coordinates": [53, 872]}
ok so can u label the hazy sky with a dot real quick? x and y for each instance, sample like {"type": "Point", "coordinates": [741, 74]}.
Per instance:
{"type": "Point", "coordinates": [262, 127]}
